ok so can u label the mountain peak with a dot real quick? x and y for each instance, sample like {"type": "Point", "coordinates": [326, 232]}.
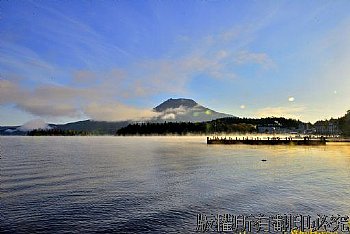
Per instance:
{"type": "Point", "coordinates": [173, 103]}
{"type": "Point", "coordinates": [185, 110]}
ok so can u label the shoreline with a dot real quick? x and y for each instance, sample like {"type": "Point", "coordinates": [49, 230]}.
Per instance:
{"type": "Point", "coordinates": [250, 136]}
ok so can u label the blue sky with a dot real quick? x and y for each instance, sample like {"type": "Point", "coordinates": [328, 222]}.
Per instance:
{"type": "Point", "coordinates": [63, 61]}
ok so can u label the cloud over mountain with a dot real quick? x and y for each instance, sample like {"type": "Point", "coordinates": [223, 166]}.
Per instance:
{"type": "Point", "coordinates": [34, 124]}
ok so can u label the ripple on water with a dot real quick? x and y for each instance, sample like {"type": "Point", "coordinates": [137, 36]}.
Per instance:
{"type": "Point", "coordinates": [160, 184]}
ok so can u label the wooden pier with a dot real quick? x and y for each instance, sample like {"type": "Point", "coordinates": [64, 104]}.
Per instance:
{"type": "Point", "coordinates": [265, 141]}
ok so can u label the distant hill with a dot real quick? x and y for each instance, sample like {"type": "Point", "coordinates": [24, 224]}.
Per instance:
{"type": "Point", "coordinates": [94, 127]}
{"type": "Point", "coordinates": [88, 126]}
{"type": "Point", "coordinates": [185, 110]}
{"type": "Point", "coordinates": [11, 131]}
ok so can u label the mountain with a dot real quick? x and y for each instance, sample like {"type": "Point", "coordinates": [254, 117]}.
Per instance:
{"type": "Point", "coordinates": [185, 110]}
{"type": "Point", "coordinates": [10, 130]}
{"type": "Point", "coordinates": [92, 126]}
{"type": "Point", "coordinates": [176, 103]}
{"type": "Point", "coordinates": [172, 110]}
{"type": "Point", "coordinates": [89, 126]}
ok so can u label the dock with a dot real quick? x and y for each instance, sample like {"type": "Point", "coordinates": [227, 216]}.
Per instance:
{"type": "Point", "coordinates": [342, 140]}
{"type": "Point", "coordinates": [266, 141]}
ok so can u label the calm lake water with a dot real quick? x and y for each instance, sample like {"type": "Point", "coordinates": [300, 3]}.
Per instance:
{"type": "Point", "coordinates": [160, 184]}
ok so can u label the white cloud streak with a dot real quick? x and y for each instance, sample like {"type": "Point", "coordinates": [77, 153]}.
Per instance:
{"type": "Point", "coordinates": [34, 124]}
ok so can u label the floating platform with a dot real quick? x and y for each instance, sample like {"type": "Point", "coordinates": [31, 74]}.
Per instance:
{"type": "Point", "coordinates": [268, 141]}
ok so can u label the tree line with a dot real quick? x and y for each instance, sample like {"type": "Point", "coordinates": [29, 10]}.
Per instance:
{"type": "Point", "coordinates": [182, 128]}
{"type": "Point", "coordinates": [227, 125]}
{"type": "Point", "coordinates": [344, 124]}
{"type": "Point", "coordinates": [56, 132]}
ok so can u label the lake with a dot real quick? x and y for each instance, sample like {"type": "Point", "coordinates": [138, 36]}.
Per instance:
{"type": "Point", "coordinates": [161, 184]}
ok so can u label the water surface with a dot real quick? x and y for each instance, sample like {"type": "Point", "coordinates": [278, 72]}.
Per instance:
{"type": "Point", "coordinates": [160, 184]}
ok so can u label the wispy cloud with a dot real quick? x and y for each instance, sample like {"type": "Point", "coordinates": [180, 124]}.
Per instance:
{"type": "Point", "coordinates": [34, 124]}
{"type": "Point", "coordinates": [22, 61]}
{"type": "Point", "coordinates": [42, 101]}
{"type": "Point", "coordinates": [212, 56]}
{"type": "Point", "coordinates": [117, 112]}
{"type": "Point", "coordinates": [295, 112]}
{"type": "Point", "coordinates": [171, 113]}
{"type": "Point", "coordinates": [245, 57]}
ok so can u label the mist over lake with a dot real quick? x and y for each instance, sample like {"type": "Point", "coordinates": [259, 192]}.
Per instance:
{"type": "Point", "coordinates": [160, 184]}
